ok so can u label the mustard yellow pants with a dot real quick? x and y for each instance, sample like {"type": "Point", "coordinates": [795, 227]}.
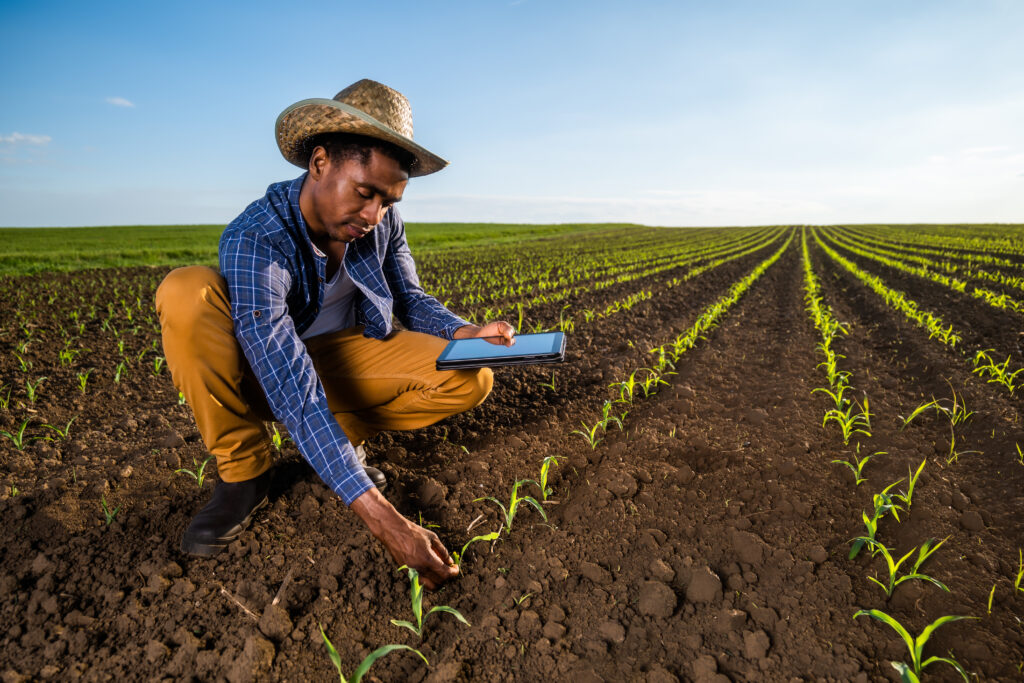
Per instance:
{"type": "Point", "coordinates": [371, 385]}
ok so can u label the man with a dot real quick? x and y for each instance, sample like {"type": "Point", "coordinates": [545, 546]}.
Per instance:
{"type": "Point", "coordinates": [297, 326]}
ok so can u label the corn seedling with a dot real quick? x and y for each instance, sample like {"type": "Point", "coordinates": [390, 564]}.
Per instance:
{"type": "Point", "coordinates": [907, 496]}
{"type": "Point", "coordinates": [24, 364]}
{"type": "Point", "coordinates": [590, 434]}
{"type": "Point", "coordinates": [364, 665]}
{"type": "Point", "coordinates": [17, 437]}
{"type": "Point", "coordinates": [509, 513]}
{"type": "Point", "coordinates": [893, 566]}
{"type": "Point", "coordinates": [427, 525]}
{"type": "Point", "coordinates": [991, 596]}
{"type": "Point", "coordinates": [416, 593]}
{"type": "Point", "coordinates": [67, 356]}
{"type": "Point", "coordinates": [1020, 571]}
{"type": "Point", "coordinates": [548, 385]}
{"type": "Point", "coordinates": [83, 379]}
{"type": "Point", "coordinates": [5, 401]}
{"type": "Point", "coordinates": [108, 514]}
{"type": "Point", "coordinates": [198, 472]}
{"type": "Point", "coordinates": [545, 467]}
{"type": "Point", "coordinates": [521, 599]}
{"type": "Point", "coordinates": [277, 439]}
{"type": "Point", "coordinates": [62, 434]}
{"type": "Point", "coordinates": [915, 646]}
{"type": "Point", "coordinates": [882, 505]}
{"type": "Point", "coordinates": [849, 422]}
{"type": "Point", "coordinates": [607, 417]}
{"type": "Point", "coordinates": [1020, 453]}
{"type": "Point", "coordinates": [460, 555]}
{"type": "Point", "coordinates": [119, 371]}
{"type": "Point", "coordinates": [857, 466]}
{"type": "Point", "coordinates": [32, 389]}
{"type": "Point", "coordinates": [918, 411]}
{"type": "Point", "coordinates": [181, 398]}
{"type": "Point", "coordinates": [158, 365]}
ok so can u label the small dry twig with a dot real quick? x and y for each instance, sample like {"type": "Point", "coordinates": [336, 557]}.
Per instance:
{"type": "Point", "coordinates": [284, 584]}
{"type": "Point", "coordinates": [473, 523]}
{"type": "Point", "coordinates": [235, 600]}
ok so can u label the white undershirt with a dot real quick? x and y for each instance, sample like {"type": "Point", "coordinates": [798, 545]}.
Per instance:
{"type": "Point", "coordinates": [337, 311]}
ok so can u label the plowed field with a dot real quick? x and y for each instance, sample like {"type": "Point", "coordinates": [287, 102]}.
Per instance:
{"type": "Point", "coordinates": [706, 539]}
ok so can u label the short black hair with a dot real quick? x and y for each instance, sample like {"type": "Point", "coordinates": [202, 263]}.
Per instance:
{"type": "Point", "coordinates": [344, 146]}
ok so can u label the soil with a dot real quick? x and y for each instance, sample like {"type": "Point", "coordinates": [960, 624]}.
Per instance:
{"type": "Point", "coordinates": [707, 541]}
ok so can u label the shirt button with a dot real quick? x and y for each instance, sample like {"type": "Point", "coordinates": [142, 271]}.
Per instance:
{"type": "Point", "coordinates": [320, 279]}
{"type": "Point", "coordinates": [255, 314]}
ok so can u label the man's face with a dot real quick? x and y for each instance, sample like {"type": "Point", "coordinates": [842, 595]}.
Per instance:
{"type": "Point", "coordinates": [349, 198]}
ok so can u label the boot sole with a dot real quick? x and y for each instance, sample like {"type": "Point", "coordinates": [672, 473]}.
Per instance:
{"type": "Point", "coordinates": [211, 547]}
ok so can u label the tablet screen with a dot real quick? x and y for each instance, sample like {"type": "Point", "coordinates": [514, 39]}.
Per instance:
{"type": "Point", "coordinates": [526, 345]}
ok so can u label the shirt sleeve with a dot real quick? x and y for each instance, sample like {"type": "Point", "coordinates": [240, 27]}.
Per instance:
{"type": "Point", "coordinates": [258, 284]}
{"type": "Point", "coordinates": [418, 311]}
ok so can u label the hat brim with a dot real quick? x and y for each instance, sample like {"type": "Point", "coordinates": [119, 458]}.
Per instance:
{"type": "Point", "coordinates": [318, 115]}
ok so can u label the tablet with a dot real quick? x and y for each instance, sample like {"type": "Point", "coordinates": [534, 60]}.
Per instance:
{"type": "Point", "coordinates": [546, 347]}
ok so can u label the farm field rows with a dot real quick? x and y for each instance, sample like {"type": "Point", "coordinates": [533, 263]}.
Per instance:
{"type": "Point", "coordinates": [748, 423]}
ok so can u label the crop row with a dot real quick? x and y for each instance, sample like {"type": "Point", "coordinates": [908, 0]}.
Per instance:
{"type": "Point", "coordinates": [984, 364]}
{"type": "Point", "coordinates": [926, 270]}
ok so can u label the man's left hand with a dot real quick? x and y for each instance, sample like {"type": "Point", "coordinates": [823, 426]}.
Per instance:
{"type": "Point", "coordinates": [499, 332]}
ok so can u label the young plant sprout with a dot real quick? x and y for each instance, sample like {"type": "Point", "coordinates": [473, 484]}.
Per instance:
{"type": "Point", "coordinates": [62, 434]}
{"type": "Point", "coordinates": [158, 365]}
{"type": "Point", "coordinates": [857, 466]}
{"type": "Point", "coordinates": [590, 434]}
{"type": "Point", "coordinates": [83, 379]}
{"type": "Point", "coordinates": [1020, 453]}
{"type": "Point", "coordinates": [17, 437]}
{"type": "Point", "coordinates": [915, 646]}
{"type": "Point", "coordinates": [416, 593]}
{"type": "Point", "coordinates": [1020, 571]}
{"type": "Point", "coordinates": [991, 596]}
{"type": "Point", "coordinates": [893, 566]}
{"type": "Point", "coordinates": [607, 417]}
{"type": "Point", "coordinates": [119, 371]}
{"type": "Point", "coordinates": [277, 439]}
{"type": "Point", "coordinates": [907, 497]}
{"type": "Point", "coordinates": [364, 665]}
{"type": "Point", "coordinates": [108, 514]}
{"type": "Point", "coordinates": [545, 466]}
{"type": "Point", "coordinates": [460, 555]}
{"type": "Point", "coordinates": [6, 401]}
{"type": "Point", "coordinates": [882, 504]}
{"type": "Point", "coordinates": [31, 389]}
{"type": "Point", "coordinates": [198, 472]}
{"type": "Point", "coordinates": [548, 385]}
{"type": "Point", "coordinates": [515, 499]}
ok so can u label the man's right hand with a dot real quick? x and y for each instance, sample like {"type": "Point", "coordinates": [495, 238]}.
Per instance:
{"type": "Point", "coordinates": [408, 543]}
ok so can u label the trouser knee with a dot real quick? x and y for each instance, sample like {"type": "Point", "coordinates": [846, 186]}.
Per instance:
{"type": "Point", "coordinates": [181, 296]}
{"type": "Point", "coordinates": [478, 384]}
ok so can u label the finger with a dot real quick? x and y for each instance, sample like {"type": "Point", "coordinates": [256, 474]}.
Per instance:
{"type": "Point", "coordinates": [441, 551]}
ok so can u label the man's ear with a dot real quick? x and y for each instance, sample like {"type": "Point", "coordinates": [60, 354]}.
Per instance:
{"type": "Point", "coordinates": [318, 162]}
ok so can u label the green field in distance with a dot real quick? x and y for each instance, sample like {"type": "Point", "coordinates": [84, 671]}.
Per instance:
{"type": "Point", "coordinates": [32, 250]}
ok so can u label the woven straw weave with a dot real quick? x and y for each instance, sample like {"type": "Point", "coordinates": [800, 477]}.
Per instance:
{"type": "Point", "coordinates": [365, 108]}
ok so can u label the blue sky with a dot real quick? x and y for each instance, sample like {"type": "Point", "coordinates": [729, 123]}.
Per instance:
{"type": "Point", "coordinates": [665, 113]}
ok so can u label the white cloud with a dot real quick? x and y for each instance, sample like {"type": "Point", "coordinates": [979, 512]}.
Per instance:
{"type": "Point", "coordinates": [18, 138]}
{"type": "Point", "coordinates": [120, 102]}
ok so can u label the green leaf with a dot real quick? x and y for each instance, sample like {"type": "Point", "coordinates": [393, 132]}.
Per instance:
{"type": "Point", "coordinates": [332, 653]}
{"type": "Point", "coordinates": [907, 674]}
{"type": "Point", "coordinates": [948, 660]}
{"type": "Point", "coordinates": [406, 624]}
{"type": "Point", "coordinates": [450, 610]}
{"type": "Point", "coordinates": [892, 623]}
{"type": "Point", "coordinates": [365, 665]}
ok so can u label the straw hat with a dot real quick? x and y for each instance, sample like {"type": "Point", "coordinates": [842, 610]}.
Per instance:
{"type": "Point", "coordinates": [364, 108]}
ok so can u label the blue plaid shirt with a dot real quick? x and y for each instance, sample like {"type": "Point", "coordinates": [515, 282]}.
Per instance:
{"type": "Point", "coordinates": [276, 283]}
